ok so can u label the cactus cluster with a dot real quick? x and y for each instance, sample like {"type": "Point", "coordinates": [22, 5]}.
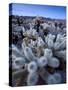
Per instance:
{"type": "Point", "coordinates": [40, 59]}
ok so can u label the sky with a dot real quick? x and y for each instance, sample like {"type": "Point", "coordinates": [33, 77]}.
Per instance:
{"type": "Point", "coordinates": [54, 12]}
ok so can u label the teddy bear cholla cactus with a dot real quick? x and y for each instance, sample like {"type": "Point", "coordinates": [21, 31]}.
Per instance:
{"type": "Point", "coordinates": [53, 48]}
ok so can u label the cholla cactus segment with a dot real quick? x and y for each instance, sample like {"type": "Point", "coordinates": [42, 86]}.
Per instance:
{"type": "Point", "coordinates": [49, 38]}
{"type": "Point", "coordinates": [16, 51]}
{"type": "Point", "coordinates": [53, 62]}
{"type": "Point", "coordinates": [14, 66]}
{"type": "Point", "coordinates": [60, 42]}
{"type": "Point", "coordinates": [61, 54]}
{"type": "Point", "coordinates": [58, 77]}
{"type": "Point", "coordinates": [60, 45]}
{"type": "Point", "coordinates": [28, 53]}
{"type": "Point", "coordinates": [20, 61]}
{"type": "Point", "coordinates": [40, 42]}
{"type": "Point", "coordinates": [51, 80]}
{"type": "Point", "coordinates": [32, 79]}
{"type": "Point", "coordinates": [48, 53]}
{"type": "Point", "coordinates": [32, 67]}
{"type": "Point", "coordinates": [42, 61]}
{"type": "Point", "coordinates": [50, 43]}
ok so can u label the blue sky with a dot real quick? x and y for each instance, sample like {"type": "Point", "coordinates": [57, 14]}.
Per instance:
{"type": "Point", "coordinates": [56, 12]}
